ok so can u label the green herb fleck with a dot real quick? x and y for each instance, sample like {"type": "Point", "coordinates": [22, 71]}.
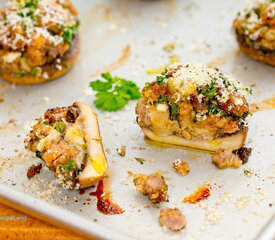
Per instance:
{"type": "Point", "coordinates": [160, 80]}
{"type": "Point", "coordinates": [211, 91]}
{"type": "Point", "coordinates": [31, 4]}
{"type": "Point", "coordinates": [69, 32]}
{"type": "Point", "coordinates": [147, 86]}
{"type": "Point", "coordinates": [34, 71]}
{"type": "Point", "coordinates": [213, 109]}
{"type": "Point", "coordinates": [140, 160]}
{"type": "Point", "coordinates": [161, 99]}
{"type": "Point", "coordinates": [114, 93]}
{"type": "Point", "coordinates": [20, 74]}
{"type": "Point", "coordinates": [38, 154]}
{"type": "Point", "coordinates": [174, 111]}
{"type": "Point", "coordinates": [60, 127]}
{"type": "Point", "coordinates": [247, 40]}
{"type": "Point", "coordinates": [69, 167]}
{"type": "Point", "coordinates": [46, 122]}
{"type": "Point", "coordinates": [135, 180]}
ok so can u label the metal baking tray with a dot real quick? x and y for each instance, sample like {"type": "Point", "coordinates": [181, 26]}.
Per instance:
{"type": "Point", "coordinates": [127, 38]}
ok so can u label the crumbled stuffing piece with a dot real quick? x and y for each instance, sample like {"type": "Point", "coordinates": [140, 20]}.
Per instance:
{"type": "Point", "coordinates": [153, 185]}
{"type": "Point", "coordinates": [122, 151]}
{"type": "Point", "coordinates": [172, 219]}
{"type": "Point", "coordinates": [181, 167]}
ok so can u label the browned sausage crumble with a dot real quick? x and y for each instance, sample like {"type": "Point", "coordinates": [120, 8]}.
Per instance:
{"type": "Point", "coordinates": [230, 158]}
{"type": "Point", "coordinates": [34, 170]}
{"type": "Point", "coordinates": [153, 185]}
{"type": "Point", "coordinates": [172, 219]}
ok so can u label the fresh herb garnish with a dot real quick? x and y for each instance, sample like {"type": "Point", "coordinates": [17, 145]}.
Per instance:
{"type": "Point", "coordinates": [147, 86]}
{"type": "Point", "coordinates": [140, 160]}
{"type": "Point", "coordinates": [161, 78]}
{"type": "Point", "coordinates": [68, 32]}
{"type": "Point", "coordinates": [174, 111]}
{"type": "Point", "coordinates": [60, 127]}
{"type": "Point", "coordinates": [211, 91]}
{"type": "Point", "coordinates": [34, 71]}
{"type": "Point", "coordinates": [114, 93]}
{"type": "Point", "coordinates": [69, 167]}
{"type": "Point", "coordinates": [20, 74]}
{"type": "Point", "coordinates": [46, 122]}
{"type": "Point", "coordinates": [213, 109]}
{"type": "Point", "coordinates": [38, 154]}
{"type": "Point", "coordinates": [135, 180]}
{"type": "Point", "coordinates": [31, 4]}
{"type": "Point", "coordinates": [161, 99]}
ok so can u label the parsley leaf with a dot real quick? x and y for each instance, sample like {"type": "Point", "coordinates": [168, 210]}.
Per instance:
{"type": "Point", "coordinates": [174, 111]}
{"type": "Point", "coordinates": [20, 74]}
{"type": "Point", "coordinates": [114, 93]}
{"type": "Point", "coordinates": [69, 169]}
{"type": "Point", "coordinates": [69, 32]}
{"type": "Point", "coordinates": [38, 154]}
{"type": "Point", "coordinates": [211, 91]}
{"type": "Point", "coordinates": [60, 127]}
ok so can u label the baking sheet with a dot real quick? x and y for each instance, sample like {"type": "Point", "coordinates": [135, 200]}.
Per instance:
{"type": "Point", "coordinates": [128, 37]}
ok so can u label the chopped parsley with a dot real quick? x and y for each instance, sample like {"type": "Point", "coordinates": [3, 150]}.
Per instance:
{"type": "Point", "coordinates": [140, 160]}
{"type": "Point", "coordinates": [38, 154]}
{"type": "Point", "coordinates": [69, 169]}
{"type": "Point", "coordinates": [20, 74]}
{"type": "Point", "coordinates": [46, 122]}
{"type": "Point", "coordinates": [31, 4]}
{"type": "Point", "coordinates": [68, 32]}
{"type": "Point", "coordinates": [174, 111]}
{"type": "Point", "coordinates": [34, 71]}
{"type": "Point", "coordinates": [161, 78]}
{"type": "Point", "coordinates": [135, 180]}
{"type": "Point", "coordinates": [161, 99]}
{"type": "Point", "coordinates": [210, 92]}
{"type": "Point", "coordinates": [147, 86]}
{"type": "Point", "coordinates": [60, 127]}
{"type": "Point", "coordinates": [114, 93]}
{"type": "Point", "coordinates": [213, 109]}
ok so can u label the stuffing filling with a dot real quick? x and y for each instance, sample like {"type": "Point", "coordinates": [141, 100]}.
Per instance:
{"type": "Point", "coordinates": [256, 25]}
{"type": "Point", "coordinates": [60, 141]}
{"type": "Point", "coordinates": [34, 33]}
{"type": "Point", "coordinates": [194, 103]}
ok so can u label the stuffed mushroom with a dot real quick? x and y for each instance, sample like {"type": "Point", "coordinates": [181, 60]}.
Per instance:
{"type": "Point", "coordinates": [39, 40]}
{"type": "Point", "coordinates": [195, 107]}
{"type": "Point", "coordinates": [255, 30]}
{"type": "Point", "coordinates": [67, 139]}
